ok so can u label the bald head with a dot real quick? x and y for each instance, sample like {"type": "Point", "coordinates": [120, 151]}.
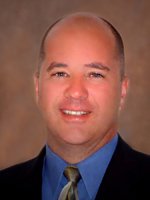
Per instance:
{"type": "Point", "coordinates": [85, 24]}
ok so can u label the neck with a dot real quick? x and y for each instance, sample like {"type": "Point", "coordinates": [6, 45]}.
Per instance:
{"type": "Point", "coordinates": [74, 153]}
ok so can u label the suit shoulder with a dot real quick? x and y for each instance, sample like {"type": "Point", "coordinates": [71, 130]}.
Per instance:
{"type": "Point", "coordinates": [20, 171]}
{"type": "Point", "coordinates": [132, 158]}
{"type": "Point", "coordinates": [133, 154]}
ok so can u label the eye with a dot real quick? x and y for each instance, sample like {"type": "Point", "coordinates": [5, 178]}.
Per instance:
{"type": "Point", "coordinates": [96, 75]}
{"type": "Point", "coordinates": [59, 74]}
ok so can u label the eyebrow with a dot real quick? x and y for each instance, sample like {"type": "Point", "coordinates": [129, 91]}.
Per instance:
{"type": "Point", "coordinates": [98, 65]}
{"type": "Point", "coordinates": [55, 65]}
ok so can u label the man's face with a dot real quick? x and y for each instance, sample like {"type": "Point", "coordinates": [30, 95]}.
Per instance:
{"type": "Point", "coordinates": [79, 90]}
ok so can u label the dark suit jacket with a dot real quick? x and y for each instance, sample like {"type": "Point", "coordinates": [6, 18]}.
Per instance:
{"type": "Point", "coordinates": [127, 177]}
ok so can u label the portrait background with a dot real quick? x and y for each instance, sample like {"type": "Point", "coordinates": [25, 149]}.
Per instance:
{"type": "Point", "coordinates": [22, 25]}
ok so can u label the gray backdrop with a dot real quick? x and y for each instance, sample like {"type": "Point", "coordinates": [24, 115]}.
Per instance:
{"type": "Point", "coordinates": [22, 24]}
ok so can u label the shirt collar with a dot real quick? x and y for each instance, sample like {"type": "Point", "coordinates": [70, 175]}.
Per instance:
{"type": "Point", "coordinates": [54, 167]}
{"type": "Point", "coordinates": [93, 168]}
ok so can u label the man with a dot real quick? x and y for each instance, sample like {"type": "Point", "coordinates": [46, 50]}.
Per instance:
{"type": "Point", "coordinates": [80, 88]}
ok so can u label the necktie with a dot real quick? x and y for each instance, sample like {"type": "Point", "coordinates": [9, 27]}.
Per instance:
{"type": "Point", "coordinates": [69, 192]}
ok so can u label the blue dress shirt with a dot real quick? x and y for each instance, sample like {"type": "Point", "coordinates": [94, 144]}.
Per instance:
{"type": "Point", "coordinates": [92, 170]}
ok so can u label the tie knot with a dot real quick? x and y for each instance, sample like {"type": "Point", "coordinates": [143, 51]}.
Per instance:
{"type": "Point", "coordinates": [72, 174]}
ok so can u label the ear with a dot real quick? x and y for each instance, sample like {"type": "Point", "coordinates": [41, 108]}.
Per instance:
{"type": "Point", "coordinates": [124, 90]}
{"type": "Point", "coordinates": [36, 86]}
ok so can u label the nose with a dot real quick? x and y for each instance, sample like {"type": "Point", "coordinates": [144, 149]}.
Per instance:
{"type": "Point", "coordinates": [76, 89]}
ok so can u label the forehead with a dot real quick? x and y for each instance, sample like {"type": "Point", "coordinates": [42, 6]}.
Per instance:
{"type": "Point", "coordinates": [75, 35]}
{"type": "Point", "coordinates": [85, 26]}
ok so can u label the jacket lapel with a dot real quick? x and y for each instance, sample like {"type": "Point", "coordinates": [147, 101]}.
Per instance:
{"type": "Point", "coordinates": [116, 183]}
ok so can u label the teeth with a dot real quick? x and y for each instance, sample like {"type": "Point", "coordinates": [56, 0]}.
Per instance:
{"type": "Point", "coordinates": [72, 112]}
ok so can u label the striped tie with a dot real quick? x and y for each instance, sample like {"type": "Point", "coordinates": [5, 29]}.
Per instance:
{"type": "Point", "coordinates": [69, 192]}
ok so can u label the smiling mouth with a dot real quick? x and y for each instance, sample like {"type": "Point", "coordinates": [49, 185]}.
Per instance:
{"type": "Point", "coordinates": [75, 112]}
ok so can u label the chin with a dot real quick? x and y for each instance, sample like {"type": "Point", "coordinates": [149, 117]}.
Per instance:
{"type": "Point", "coordinates": [75, 139]}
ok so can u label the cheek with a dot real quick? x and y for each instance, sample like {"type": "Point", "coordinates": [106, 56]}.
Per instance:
{"type": "Point", "coordinates": [46, 95]}
{"type": "Point", "coordinates": [106, 96]}
{"type": "Point", "coordinates": [49, 96]}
